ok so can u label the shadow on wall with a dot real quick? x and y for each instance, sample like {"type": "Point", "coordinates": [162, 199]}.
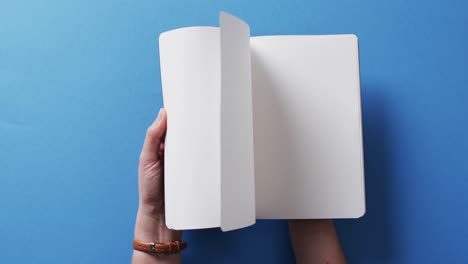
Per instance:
{"type": "Point", "coordinates": [265, 242]}
{"type": "Point", "coordinates": [365, 240]}
{"type": "Point", "coordinates": [369, 239]}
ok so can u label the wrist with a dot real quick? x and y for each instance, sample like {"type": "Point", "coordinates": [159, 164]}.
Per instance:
{"type": "Point", "coordinates": [152, 228]}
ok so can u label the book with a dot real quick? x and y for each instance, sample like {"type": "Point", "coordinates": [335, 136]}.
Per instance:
{"type": "Point", "coordinates": [265, 127]}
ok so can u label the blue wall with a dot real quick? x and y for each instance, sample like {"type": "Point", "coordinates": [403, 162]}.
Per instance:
{"type": "Point", "coordinates": [79, 83]}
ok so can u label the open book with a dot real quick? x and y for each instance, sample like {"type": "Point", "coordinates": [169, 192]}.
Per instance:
{"type": "Point", "coordinates": [260, 127]}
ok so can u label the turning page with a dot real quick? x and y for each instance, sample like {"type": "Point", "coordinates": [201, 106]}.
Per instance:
{"type": "Point", "coordinates": [307, 127]}
{"type": "Point", "coordinates": [237, 150]}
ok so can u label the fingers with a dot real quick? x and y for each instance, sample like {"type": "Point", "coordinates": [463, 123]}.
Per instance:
{"type": "Point", "coordinates": [154, 137]}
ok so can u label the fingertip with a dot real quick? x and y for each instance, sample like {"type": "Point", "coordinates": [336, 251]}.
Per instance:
{"type": "Point", "coordinates": [158, 117]}
{"type": "Point", "coordinates": [160, 124]}
{"type": "Point", "coordinates": [154, 135]}
{"type": "Point", "coordinates": [163, 113]}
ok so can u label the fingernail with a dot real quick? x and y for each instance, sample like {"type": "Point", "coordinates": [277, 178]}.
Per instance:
{"type": "Point", "coordinates": [159, 114]}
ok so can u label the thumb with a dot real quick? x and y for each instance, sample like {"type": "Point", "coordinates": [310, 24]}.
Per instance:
{"type": "Point", "coordinates": [154, 137]}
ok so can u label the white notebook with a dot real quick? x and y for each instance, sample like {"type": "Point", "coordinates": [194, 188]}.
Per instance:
{"type": "Point", "coordinates": [264, 127]}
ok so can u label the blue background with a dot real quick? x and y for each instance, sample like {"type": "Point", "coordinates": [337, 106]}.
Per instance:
{"type": "Point", "coordinates": [79, 84]}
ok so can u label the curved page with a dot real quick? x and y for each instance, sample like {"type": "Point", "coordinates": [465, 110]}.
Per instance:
{"type": "Point", "coordinates": [190, 75]}
{"type": "Point", "coordinates": [237, 164]}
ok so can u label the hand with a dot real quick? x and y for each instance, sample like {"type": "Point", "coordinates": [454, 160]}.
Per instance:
{"type": "Point", "coordinates": [150, 223]}
{"type": "Point", "coordinates": [315, 241]}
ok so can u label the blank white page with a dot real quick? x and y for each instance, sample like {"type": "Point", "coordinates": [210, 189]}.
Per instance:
{"type": "Point", "coordinates": [190, 75]}
{"type": "Point", "coordinates": [307, 127]}
{"type": "Point", "coordinates": [237, 164]}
